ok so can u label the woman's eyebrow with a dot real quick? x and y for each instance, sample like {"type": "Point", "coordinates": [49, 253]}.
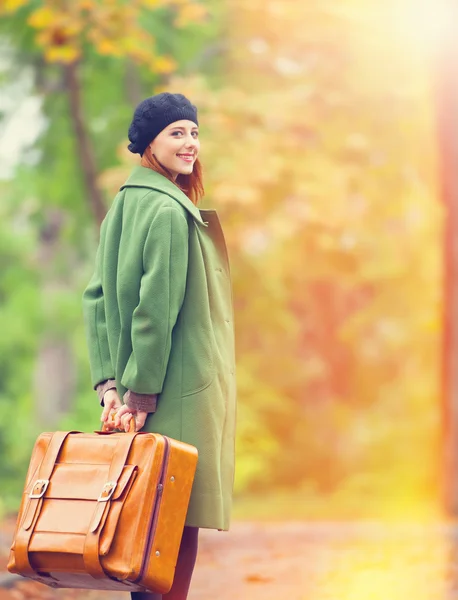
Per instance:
{"type": "Point", "coordinates": [172, 128]}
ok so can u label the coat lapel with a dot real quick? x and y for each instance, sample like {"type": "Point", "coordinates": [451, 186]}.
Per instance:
{"type": "Point", "coordinates": [147, 178]}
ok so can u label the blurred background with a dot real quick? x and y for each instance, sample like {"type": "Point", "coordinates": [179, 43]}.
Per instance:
{"type": "Point", "coordinates": [328, 143]}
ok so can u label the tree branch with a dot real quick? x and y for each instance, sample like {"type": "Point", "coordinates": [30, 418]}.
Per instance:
{"type": "Point", "coordinates": [83, 142]}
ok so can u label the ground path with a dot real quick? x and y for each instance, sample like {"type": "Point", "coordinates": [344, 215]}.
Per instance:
{"type": "Point", "coordinates": [309, 561]}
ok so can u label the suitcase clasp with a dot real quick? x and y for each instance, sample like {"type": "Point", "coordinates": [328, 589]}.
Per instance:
{"type": "Point", "coordinates": [107, 491]}
{"type": "Point", "coordinates": [39, 488]}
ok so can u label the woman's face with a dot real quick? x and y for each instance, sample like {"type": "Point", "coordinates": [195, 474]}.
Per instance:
{"type": "Point", "coordinates": [177, 147]}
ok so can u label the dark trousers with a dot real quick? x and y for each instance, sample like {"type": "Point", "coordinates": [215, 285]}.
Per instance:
{"type": "Point", "coordinates": [183, 572]}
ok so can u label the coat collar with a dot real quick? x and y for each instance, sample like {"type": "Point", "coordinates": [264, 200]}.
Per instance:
{"type": "Point", "coordinates": [147, 178]}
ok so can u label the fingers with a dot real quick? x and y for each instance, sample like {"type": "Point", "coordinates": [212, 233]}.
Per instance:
{"type": "Point", "coordinates": [140, 419]}
{"type": "Point", "coordinates": [111, 402]}
{"type": "Point", "coordinates": [105, 413]}
{"type": "Point", "coordinates": [125, 421]}
{"type": "Point", "coordinates": [119, 414]}
{"type": "Point", "coordinates": [123, 418]}
{"type": "Point", "coordinates": [111, 397]}
{"type": "Point", "coordinates": [108, 425]}
{"type": "Point", "coordinates": [108, 409]}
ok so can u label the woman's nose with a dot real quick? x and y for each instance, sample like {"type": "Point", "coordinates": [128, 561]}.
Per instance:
{"type": "Point", "coordinates": [191, 146]}
{"type": "Point", "coordinates": [191, 141]}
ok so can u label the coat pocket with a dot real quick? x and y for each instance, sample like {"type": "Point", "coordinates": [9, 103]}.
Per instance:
{"type": "Point", "coordinates": [198, 360]}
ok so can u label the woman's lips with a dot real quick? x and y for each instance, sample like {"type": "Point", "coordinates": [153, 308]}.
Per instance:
{"type": "Point", "coordinates": [186, 158]}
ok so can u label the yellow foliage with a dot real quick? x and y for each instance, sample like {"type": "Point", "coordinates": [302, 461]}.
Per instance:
{"type": "Point", "coordinates": [86, 4]}
{"type": "Point", "coordinates": [58, 33]}
{"type": "Point", "coordinates": [163, 65]}
{"type": "Point", "coordinates": [62, 54]}
{"type": "Point", "coordinates": [114, 28]}
{"type": "Point", "coordinates": [138, 45]}
{"type": "Point", "coordinates": [109, 48]}
{"type": "Point", "coordinates": [320, 154]}
{"type": "Point", "coordinates": [42, 17]}
{"type": "Point", "coordinates": [190, 13]}
{"type": "Point", "coordinates": [154, 3]}
{"type": "Point", "coordinates": [10, 6]}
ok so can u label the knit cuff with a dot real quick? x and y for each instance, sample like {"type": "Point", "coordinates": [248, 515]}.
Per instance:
{"type": "Point", "coordinates": [103, 387]}
{"type": "Point", "coordinates": [136, 401]}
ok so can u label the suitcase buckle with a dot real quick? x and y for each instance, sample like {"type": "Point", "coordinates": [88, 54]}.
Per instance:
{"type": "Point", "coordinates": [107, 491]}
{"type": "Point", "coordinates": [39, 488]}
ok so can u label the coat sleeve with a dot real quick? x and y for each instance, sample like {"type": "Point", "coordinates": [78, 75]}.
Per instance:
{"type": "Point", "coordinates": [161, 294]}
{"type": "Point", "coordinates": [103, 387]}
{"type": "Point", "coordinates": [95, 322]}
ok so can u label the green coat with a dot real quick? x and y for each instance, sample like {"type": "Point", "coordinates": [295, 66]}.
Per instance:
{"type": "Point", "coordinates": [159, 319]}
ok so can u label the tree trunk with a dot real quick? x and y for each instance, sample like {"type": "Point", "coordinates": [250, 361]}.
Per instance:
{"type": "Point", "coordinates": [83, 143]}
{"type": "Point", "coordinates": [133, 85]}
{"type": "Point", "coordinates": [54, 380]}
{"type": "Point", "coordinates": [55, 370]}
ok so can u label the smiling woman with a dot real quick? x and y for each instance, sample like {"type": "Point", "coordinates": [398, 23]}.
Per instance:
{"type": "Point", "coordinates": [163, 127]}
{"type": "Point", "coordinates": [177, 147]}
{"type": "Point", "coordinates": [162, 272]}
{"type": "Point", "coordinates": [174, 154]}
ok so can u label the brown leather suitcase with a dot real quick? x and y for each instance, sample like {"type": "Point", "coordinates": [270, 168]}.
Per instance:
{"type": "Point", "coordinates": [103, 511]}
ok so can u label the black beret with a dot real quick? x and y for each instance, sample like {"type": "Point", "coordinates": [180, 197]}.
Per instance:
{"type": "Point", "coordinates": [153, 114]}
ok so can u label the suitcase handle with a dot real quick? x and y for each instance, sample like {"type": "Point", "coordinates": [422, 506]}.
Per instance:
{"type": "Point", "coordinates": [113, 415]}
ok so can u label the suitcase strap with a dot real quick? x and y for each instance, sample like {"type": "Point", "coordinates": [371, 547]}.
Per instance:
{"type": "Point", "coordinates": [35, 502]}
{"type": "Point", "coordinates": [91, 554]}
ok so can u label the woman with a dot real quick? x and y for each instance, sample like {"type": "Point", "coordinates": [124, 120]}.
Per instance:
{"type": "Point", "coordinates": [159, 317]}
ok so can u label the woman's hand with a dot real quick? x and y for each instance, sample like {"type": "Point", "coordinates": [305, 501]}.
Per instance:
{"type": "Point", "coordinates": [112, 404]}
{"type": "Point", "coordinates": [125, 414]}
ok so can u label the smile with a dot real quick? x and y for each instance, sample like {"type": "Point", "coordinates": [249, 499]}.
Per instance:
{"type": "Point", "coordinates": [186, 157]}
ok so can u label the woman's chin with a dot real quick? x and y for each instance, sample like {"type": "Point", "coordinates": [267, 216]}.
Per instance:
{"type": "Point", "coordinates": [186, 170]}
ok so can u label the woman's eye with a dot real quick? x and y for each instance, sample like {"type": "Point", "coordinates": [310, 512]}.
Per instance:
{"type": "Point", "coordinates": [195, 133]}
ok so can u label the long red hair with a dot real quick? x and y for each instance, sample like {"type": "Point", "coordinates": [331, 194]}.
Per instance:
{"type": "Point", "coordinates": [190, 184]}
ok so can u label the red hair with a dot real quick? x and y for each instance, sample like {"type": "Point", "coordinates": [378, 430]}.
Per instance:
{"type": "Point", "coordinates": [190, 184]}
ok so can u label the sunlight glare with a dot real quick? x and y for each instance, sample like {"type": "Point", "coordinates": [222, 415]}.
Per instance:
{"type": "Point", "coordinates": [424, 25]}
